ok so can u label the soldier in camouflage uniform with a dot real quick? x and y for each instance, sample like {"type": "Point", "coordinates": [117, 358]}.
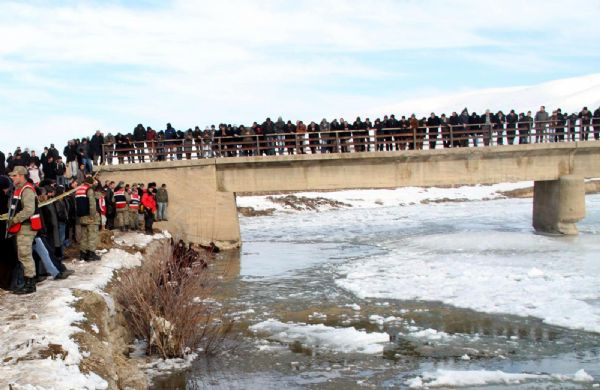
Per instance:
{"type": "Point", "coordinates": [89, 220]}
{"type": "Point", "coordinates": [134, 207]}
{"type": "Point", "coordinates": [25, 204]}
{"type": "Point", "coordinates": [121, 203]}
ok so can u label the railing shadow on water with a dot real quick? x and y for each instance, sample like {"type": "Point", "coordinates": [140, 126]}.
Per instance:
{"type": "Point", "coordinates": [348, 141]}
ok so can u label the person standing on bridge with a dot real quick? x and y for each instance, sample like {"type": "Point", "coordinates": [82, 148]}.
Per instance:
{"type": "Point", "coordinates": [170, 140]}
{"type": "Point", "coordinates": [585, 118]}
{"type": "Point", "coordinates": [511, 125]}
{"type": "Point", "coordinates": [541, 124]}
{"type": "Point", "coordinates": [596, 123]}
{"type": "Point", "coordinates": [280, 130]}
{"type": "Point", "coordinates": [139, 137]}
{"type": "Point", "coordinates": [433, 124]}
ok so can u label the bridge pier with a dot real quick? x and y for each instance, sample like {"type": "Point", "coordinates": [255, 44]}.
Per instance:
{"type": "Point", "coordinates": [558, 205]}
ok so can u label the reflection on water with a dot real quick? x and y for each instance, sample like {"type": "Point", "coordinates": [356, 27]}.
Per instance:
{"type": "Point", "coordinates": [288, 271]}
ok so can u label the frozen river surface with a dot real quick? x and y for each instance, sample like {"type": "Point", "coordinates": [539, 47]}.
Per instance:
{"type": "Point", "coordinates": [394, 293]}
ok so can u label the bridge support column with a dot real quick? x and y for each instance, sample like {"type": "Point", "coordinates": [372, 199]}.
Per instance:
{"type": "Point", "coordinates": [226, 224]}
{"type": "Point", "coordinates": [558, 205]}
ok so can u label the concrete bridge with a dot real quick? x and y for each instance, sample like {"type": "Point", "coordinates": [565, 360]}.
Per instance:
{"type": "Point", "coordinates": [202, 193]}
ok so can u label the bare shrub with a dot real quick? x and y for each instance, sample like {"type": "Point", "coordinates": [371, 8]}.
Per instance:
{"type": "Point", "coordinates": [167, 303]}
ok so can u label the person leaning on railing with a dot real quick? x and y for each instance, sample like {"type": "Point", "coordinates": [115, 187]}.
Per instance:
{"type": "Point", "coordinates": [151, 142]}
{"type": "Point", "coordinates": [313, 137]}
{"type": "Point", "coordinates": [197, 136]}
{"type": "Point", "coordinates": [290, 130]}
{"type": "Point", "coordinates": [248, 141]}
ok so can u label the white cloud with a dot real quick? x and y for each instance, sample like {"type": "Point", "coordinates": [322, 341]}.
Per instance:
{"type": "Point", "coordinates": [190, 61]}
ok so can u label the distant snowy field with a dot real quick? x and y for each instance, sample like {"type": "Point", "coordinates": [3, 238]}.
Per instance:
{"type": "Point", "coordinates": [377, 198]}
{"type": "Point", "coordinates": [480, 255]}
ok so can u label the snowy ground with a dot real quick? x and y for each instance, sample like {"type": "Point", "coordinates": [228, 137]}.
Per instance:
{"type": "Point", "coordinates": [30, 323]}
{"type": "Point", "coordinates": [390, 197]}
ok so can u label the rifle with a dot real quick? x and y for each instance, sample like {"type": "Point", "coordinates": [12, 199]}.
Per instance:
{"type": "Point", "coordinates": [11, 211]}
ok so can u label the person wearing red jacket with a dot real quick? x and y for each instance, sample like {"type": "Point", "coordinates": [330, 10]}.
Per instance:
{"type": "Point", "coordinates": [149, 203]}
{"type": "Point", "coordinates": [151, 141]}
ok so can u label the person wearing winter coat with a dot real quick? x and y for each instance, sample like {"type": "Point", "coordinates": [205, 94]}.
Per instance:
{"type": "Point", "coordinates": [270, 139]}
{"type": "Point", "coordinates": [188, 143]}
{"type": "Point", "coordinates": [151, 142]}
{"type": "Point", "coordinates": [96, 143]}
{"type": "Point", "coordinates": [511, 126]}
{"type": "Point", "coordinates": [70, 153]}
{"type": "Point", "coordinates": [280, 129]}
{"type": "Point", "coordinates": [139, 137]}
{"type": "Point", "coordinates": [585, 118]}
{"type": "Point", "coordinates": [326, 135]}
{"type": "Point", "coordinates": [149, 203]}
{"type": "Point", "coordinates": [596, 123]}
{"type": "Point", "coordinates": [313, 137]}
{"type": "Point", "coordinates": [162, 202]}
{"type": "Point", "coordinates": [433, 124]}
{"type": "Point", "coordinates": [499, 127]}
{"type": "Point", "coordinates": [109, 146]}
{"type": "Point", "coordinates": [541, 124]}
{"type": "Point", "coordinates": [170, 140]}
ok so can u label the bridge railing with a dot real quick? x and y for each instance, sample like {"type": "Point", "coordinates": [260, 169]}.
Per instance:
{"type": "Point", "coordinates": [351, 140]}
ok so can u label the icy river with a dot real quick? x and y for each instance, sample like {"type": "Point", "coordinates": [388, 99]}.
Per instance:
{"type": "Point", "coordinates": [402, 291]}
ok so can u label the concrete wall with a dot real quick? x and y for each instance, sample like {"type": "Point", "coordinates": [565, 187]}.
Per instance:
{"type": "Point", "coordinates": [202, 205]}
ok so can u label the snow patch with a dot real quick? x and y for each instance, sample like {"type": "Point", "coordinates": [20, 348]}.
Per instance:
{"type": "Point", "coordinates": [33, 322]}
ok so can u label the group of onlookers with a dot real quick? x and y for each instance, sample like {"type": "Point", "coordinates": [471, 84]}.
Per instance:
{"type": "Point", "coordinates": [338, 136]}
{"type": "Point", "coordinates": [40, 219]}
{"type": "Point", "coordinates": [285, 137]}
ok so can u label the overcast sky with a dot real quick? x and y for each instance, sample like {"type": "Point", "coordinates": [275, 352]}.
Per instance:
{"type": "Point", "coordinates": [68, 68]}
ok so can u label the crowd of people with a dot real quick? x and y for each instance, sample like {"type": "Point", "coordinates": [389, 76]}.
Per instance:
{"type": "Point", "coordinates": [285, 137]}
{"type": "Point", "coordinates": [40, 219]}
{"type": "Point", "coordinates": [52, 201]}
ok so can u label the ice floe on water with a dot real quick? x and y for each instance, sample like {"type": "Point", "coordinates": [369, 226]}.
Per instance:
{"type": "Point", "coordinates": [319, 336]}
{"type": "Point", "coordinates": [452, 378]}
{"type": "Point", "coordinates": [499, 272]}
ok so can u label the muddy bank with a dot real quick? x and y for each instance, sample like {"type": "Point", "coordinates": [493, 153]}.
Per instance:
{"type": "Point", "coordinates": [105, 339]}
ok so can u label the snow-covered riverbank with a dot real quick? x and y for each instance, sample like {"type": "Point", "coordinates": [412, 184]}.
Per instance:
{"type": "Point", "coordinates": [38, 347]}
